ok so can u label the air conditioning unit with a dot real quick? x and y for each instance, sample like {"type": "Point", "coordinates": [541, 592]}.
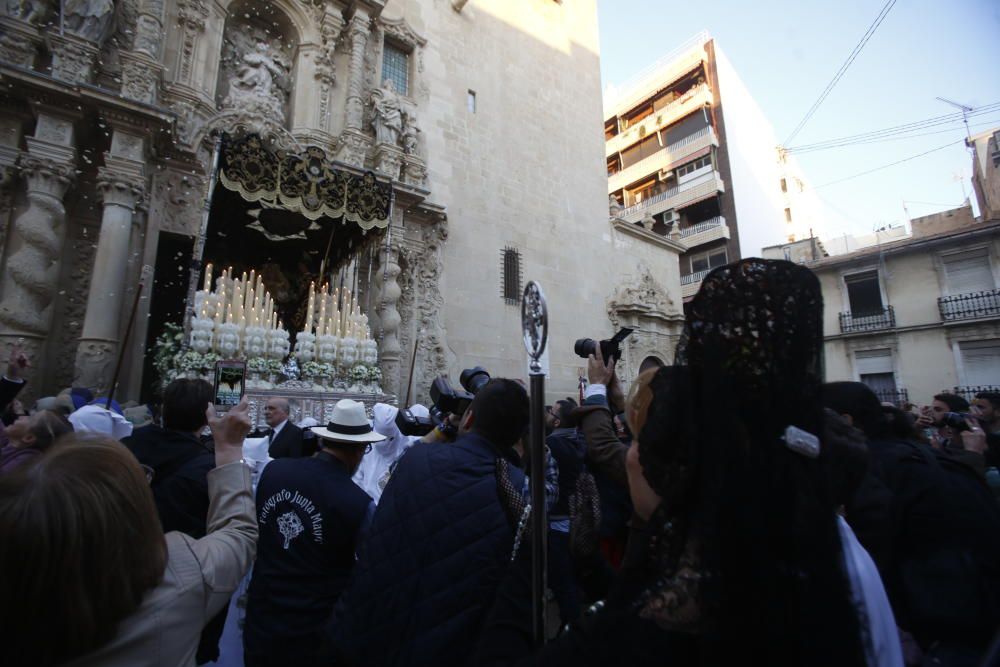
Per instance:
{"type": "Point", "coordinates": [670, 217]}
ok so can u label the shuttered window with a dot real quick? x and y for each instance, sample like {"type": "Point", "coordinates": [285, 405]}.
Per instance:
{"type": "Point", "coordinates": [968, 272]}
{"type": "Point", "coordinates": [981, 362]}
{"type": "Point", "coordinates": [875, 370]}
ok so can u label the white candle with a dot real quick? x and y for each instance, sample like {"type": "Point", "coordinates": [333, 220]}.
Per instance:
{"type": "Point", "coordinates": [208, 277]}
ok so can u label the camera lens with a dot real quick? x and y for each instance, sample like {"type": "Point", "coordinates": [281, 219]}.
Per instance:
{"type": "Point", "coordinates": [473, 379]}
{"type": "Point", "coordinates": [584, 347]}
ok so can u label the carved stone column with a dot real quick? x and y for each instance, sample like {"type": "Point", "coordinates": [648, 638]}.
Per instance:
{"type": "Point", "coordinates": [192, 15]}
{"type": "Point", "coordinates": [32, 270]}
{"type": "Point", "coordinates": [326, 72]}
{"type": "Point", "coordinates": [355, 144]}
{"type": "Point", "coordinates": [121, 185]}
{"type": "Point", "coordinates": [358, 30]}
{"type": "Point", "coordinates": [389, 293]}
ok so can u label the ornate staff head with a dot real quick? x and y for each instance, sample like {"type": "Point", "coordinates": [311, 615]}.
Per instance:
{"type": "Point", "coordinates": [534, 325]}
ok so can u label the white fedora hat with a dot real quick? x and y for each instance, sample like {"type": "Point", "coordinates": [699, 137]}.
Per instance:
{"type": "Point", "coordinates": [349, 423]}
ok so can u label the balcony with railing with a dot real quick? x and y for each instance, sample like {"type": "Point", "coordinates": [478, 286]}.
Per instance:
{"type": "Point", "coordinates": [895, 396]}
{"type": "Point", "coordinates": [704, 232]}
{"type": "Point", "coordinates": [969, 392]}
{"type": "Point", "coordinates": [969, 306]}
{"type": "Point", "coordinates": [676, 197]}
{"type": "Point", "coordinates": [669, 114]}
{"type": "Point", "coordinates": [691, 283]}
{"type": "Point", "coordinates": [870, 321]}
{"type": "Point", "coordinates": [663, 158]}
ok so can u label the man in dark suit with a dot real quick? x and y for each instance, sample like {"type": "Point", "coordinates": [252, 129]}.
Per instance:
{"type": "Point", "coordinates": [283, 437]}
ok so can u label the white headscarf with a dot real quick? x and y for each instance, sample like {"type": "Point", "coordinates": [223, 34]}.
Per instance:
{"type": "Point", "coordinates": [376, 466]}
{"type": "Point", "coordinates": [97, 419]}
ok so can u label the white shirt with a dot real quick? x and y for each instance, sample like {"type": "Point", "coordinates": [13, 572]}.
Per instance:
{"type": "Point", "coordinates": [277, 430]}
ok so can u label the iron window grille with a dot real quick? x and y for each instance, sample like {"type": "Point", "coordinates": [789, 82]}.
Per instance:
{"type": "Point", "coordinates": [510, 272]}
{"type": "Point", "coordinates": [396, 67]}
{"type": "Point", "coordinates": [969, 392]}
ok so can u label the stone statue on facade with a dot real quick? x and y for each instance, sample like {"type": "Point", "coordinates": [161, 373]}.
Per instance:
{"type": "Point", "coordinates": [387, 118]}
{"type": "Point", "coordinates": [410, 134]}
{"type": "Point", "coordinates": [29, 11]}
{"type": "Point", "coordinates": [90, 19]}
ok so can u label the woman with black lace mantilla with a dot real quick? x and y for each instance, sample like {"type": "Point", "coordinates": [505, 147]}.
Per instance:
{"type": "Point", "coordinates": [734, 554]}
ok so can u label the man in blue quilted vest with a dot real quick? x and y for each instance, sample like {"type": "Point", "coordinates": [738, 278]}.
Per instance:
{"type": "Point", "coordinates": [440, 540]}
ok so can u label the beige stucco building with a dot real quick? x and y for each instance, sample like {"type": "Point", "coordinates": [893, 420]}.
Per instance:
{"type": "Point", "coordinates": [488, 141]}
{"type": "Point", "coordinates": [916, 315]}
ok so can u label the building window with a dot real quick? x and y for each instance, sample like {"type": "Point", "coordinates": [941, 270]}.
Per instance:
{"type": "Point", "coordinates": [784, 185]}
{"type": "Point", "coordinates": [709, 260]}
{"type": "Point", "coordinates": [968, 272]}
{"type": "Point", "coordinates": [874, 369]}
{"type": "Point", "coordinates": [396, 67]}
{"type": "Point", "coordinates": [788, 215]}
{"type": "Point", "coordinates": [692, 167]}
{"type": "Point", "coordinates": [980, 362]}
{"type": "Point", "coordinates": [863, 293]}
{"type": "Point", "coordinates": [470, 101]}
{"type": "Point", "coordinates": [510, 271]}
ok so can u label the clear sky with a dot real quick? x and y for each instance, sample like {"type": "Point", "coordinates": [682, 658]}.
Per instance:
{"type": "Point", "coordinates": [786, 52]}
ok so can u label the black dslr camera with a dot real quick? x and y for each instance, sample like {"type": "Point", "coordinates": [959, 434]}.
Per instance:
{"type": "Point", "coordinates": [610, 349]}
{"type": "Point", "coordinates": [956, 420]}
{"type": "Point", "coordinates": [410, 424]}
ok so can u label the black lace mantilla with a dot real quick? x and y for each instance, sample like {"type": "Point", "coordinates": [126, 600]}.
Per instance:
{"type": "Point", "coordinates": [307, 182]}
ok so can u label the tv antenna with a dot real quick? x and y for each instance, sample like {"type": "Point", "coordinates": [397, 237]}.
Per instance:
{"type": "Point", "coordinates": [965, 109]}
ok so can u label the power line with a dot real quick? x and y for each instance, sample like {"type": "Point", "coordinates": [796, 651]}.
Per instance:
{"type": "Point", "coordinates": [843, 68]}
{"type": "Point", "coordinates": [891, 164]}
{"type": "Point", "coordinates": [947, 119]}
{"type": "Point", "coordinates": [892, 137]}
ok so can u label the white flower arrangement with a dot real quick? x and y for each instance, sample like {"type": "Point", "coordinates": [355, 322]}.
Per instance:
{"type": "Point", "coordinates": [358, 374]}
{"type": "Point", "coordinates": [275, 366]}
{"type": "Point", "coordinates": [311, 369]}
{"type": "Point", "coordinates": [374, 373]}
{"type": "Point", "coordinates": [189, 360]}
{"type": "Point", "coordinates": [327, 370]}
{"type": "Point", "coordinates": [258, 365]}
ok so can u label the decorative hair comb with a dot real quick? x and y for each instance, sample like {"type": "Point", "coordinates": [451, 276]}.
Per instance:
{"type": "Point", "coordinates": [801, 442]}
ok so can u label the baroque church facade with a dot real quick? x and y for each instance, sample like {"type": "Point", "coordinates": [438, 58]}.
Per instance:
{"type": "Point", "coordinates": [475, 127]}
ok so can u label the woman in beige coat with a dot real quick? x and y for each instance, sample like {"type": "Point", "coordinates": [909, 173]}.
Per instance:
{"type": "Point", "coordinates": [87, 576]}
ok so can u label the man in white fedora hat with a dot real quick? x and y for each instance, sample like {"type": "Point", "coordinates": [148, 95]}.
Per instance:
{"type": "Point", "coordinates": [311, 518]}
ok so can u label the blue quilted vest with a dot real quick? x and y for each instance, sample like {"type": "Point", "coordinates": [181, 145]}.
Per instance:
{"type": "Point", "coordinates": [428, 570]}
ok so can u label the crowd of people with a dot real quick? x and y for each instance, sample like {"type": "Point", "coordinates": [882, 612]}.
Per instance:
{"type": "Point", "coordinates": [730, 508]}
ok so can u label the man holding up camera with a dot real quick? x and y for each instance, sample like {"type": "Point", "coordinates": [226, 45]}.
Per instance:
{"type": "Point", "coordinates": [429, 567]}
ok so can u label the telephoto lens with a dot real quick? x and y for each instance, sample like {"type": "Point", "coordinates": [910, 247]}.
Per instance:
{"type": "Point", "coordinates": [474, 379]}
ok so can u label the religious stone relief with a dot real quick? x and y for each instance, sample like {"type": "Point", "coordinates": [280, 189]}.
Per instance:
{"type": "Point", "coordinates": [255, 72]}
{"type": "Point", "coordinates": [176, 200]}
{"type": "Point", "coordinates": [73, 303]}
{"type": "Point", "coordinates": [644, 305]}
{"type": "Point", "coordinates": [433, 351]}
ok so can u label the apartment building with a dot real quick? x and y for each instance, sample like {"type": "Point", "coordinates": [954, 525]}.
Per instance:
{"type": "Point", "coordinates": [691, 156]}
{"type": "Point", "coordinates": [913, 316]}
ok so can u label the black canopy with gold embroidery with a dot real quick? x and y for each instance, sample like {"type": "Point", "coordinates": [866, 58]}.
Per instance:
{"type": "Point", "coordinates": [306, 182]}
